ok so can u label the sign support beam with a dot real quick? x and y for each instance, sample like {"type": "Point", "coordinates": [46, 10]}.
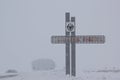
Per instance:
{"type": "Point", "coordinates": [67, 46]}
{"type": "Point", "coordinates": [73, 50]}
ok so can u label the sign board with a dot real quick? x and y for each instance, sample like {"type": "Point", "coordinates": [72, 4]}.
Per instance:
{"type": "Point", "coordinates": [90, 39]}
{"type": "Point", "coordinates": [70, 39]}
{"type": "Point", "coordinates": [70, 26]}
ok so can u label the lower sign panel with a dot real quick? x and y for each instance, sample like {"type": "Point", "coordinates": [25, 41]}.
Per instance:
{"type": "Point", "coordinates": [89, 39]}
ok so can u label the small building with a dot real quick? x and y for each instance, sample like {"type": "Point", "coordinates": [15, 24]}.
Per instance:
{"type": "Point", "coordinates": [43, 65]}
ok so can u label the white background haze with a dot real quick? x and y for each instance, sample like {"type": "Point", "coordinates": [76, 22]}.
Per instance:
{"type": "Point", "coordinates": [26, 27]}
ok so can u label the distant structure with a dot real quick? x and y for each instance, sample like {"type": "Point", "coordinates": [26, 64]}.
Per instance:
{"type": "Point", "coordinates": [70, 39]}
{"type": "Point", "coordinates": [11, 71]}
{"type": "Point", "coordinates": [43, 65]}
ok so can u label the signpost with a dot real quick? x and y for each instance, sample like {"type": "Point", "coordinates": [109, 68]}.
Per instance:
{"type": "Point", "coordinates": [70, 39]}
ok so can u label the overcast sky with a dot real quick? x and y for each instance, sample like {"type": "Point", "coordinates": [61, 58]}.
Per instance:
{"type": "Point", "coordinates": [27, 25]}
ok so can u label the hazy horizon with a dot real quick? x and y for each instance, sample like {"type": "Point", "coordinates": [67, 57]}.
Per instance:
{"type": "Point", "coordinates": [26, 27]}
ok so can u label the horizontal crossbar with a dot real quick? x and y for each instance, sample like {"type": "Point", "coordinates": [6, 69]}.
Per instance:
{"type": "Point", "coordinates": [82, 39]}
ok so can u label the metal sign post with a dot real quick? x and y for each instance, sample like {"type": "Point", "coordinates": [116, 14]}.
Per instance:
{"type": "Point", "coordinates": [70, 39]}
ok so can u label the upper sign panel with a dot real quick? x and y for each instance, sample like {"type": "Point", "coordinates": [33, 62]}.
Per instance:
{"type": "Point", "coordinates": [70, 27]}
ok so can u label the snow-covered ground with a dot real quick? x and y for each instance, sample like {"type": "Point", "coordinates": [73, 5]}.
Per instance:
{"type": "Point", "coordinates": [59, 75]}
{"type": "Point", "coordinates": [100, 76]}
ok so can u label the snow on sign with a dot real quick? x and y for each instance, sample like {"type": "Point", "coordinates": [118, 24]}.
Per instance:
{"type": "Point", "coordinates": [90, 39]}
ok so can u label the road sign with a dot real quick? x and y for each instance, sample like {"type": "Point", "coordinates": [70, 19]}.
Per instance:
{"type": "Point", "coordinates": [70, 27]}
{"type": "Point", "coordinates": [82, 39]}
{"type": "Point", "coordinates": [70, 39]}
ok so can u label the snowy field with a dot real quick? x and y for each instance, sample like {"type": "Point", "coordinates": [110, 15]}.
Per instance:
{"type": "Point", "coordinates": [59, 75]}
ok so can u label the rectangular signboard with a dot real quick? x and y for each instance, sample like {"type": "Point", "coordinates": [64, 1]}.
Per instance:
{"type": "Point", "coordinates": [87, 39]}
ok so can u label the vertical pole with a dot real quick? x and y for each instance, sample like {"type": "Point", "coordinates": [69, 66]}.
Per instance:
{"type": "Point", "coordinates": [67, 57]}
{"type": "Point", "coordinates": [73, 52]}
